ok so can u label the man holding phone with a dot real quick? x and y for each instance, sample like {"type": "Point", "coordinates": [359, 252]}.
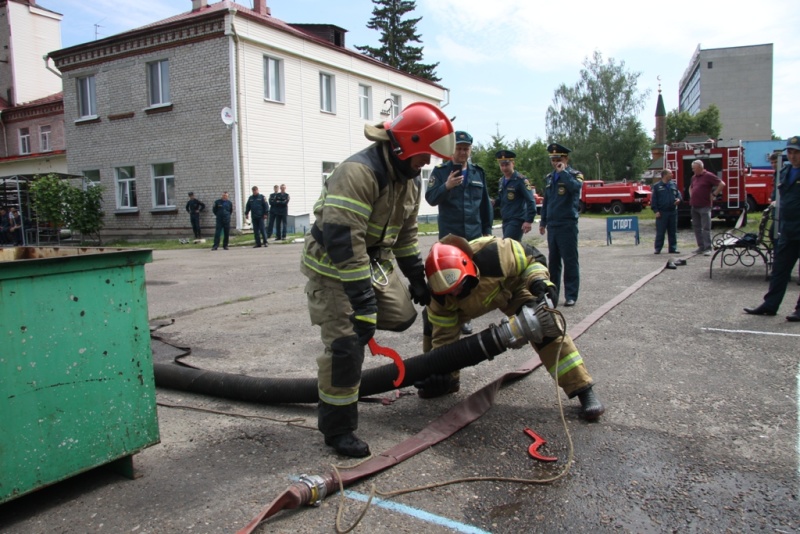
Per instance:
{"type": "Point", "coordinates": [459, 189]}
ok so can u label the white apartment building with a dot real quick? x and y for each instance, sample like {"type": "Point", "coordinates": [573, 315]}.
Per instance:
{"type": "Point", "coordinates": [220, 98]}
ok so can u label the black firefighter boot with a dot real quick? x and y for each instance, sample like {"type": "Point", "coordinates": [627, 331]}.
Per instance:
{"type": "Point", "coordinates": [337, 424]}
{"type": "Point", "coordinates": [591, 407]}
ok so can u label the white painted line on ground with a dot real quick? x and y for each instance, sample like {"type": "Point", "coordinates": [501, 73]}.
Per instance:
{"type": "Point", "coordinates": [757, 332]}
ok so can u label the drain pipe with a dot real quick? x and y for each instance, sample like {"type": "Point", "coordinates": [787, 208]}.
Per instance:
{"type": "Point", "coordinates": [529, 325]}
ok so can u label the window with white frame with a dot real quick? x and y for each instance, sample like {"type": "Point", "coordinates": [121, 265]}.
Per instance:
{"type": "Point", "coordinates": [158, 82]}
{"type": "Point", "coordinates": [87, 101]}
{"type": "Point", "coordinates": [327, 92]}
{"type": "Point", "coordinates": [364, 101]}
{"type": "Point", "coordinates": [273, 79]}
{"type": "Point", "coordinates": [327, 170]}
{"type": "Point", "coordinates": [24, 141]}
{"type": "Point", "coordinates": [125, 178]}
{"type": "Point", "coordinates": [397, 105]}
{"type": "Point", "coordinates": [163, 185]}
{"type": "Point", "coordinates": [44, 138]}
{"type": "Point", "coordinates": [91, 178]}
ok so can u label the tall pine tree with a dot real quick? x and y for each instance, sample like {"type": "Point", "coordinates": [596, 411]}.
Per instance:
{"type": "Point", "coordinates": [396, 36]}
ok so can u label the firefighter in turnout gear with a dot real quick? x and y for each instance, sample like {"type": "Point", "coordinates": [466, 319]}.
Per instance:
{"type": "Point", "coordinates": [366, 216]}
{"type": "Point", "coordinates": [470, 279]}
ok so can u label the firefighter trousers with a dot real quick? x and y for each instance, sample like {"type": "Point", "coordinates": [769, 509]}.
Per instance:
{"type": "Point", "coordinates": [339, 366]}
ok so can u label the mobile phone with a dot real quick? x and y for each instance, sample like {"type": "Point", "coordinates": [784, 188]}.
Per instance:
{"type": "Point", "coordinates": [457, 167]}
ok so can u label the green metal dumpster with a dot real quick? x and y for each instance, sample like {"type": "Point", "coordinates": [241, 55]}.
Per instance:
{"type": "Point", "coordinates": [76, 374]}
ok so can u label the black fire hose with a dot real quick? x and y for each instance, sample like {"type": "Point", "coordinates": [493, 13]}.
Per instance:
{"type": "Point", "coordinates": [464, 353]}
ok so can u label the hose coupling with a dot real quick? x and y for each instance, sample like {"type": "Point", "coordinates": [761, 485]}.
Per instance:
{"type": "Point", "coordinates": [529, 325]}
{"type": "Point", "coordinates": [317, 487]}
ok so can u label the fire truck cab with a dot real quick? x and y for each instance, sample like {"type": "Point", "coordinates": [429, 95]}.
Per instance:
{"type": "Point", "coordinates": [725, 161]}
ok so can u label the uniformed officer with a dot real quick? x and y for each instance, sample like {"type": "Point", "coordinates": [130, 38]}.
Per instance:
{"type": "Point", "coordinates": [562, 193]}
{"type": "Point", "coordinates": [280, 205]}
{"type": "Point", "coordinates": [272, 197]}
{"type": "Point", "coordinates": [195, 207]}
{"type": "Point", "coordinates": [222, 209]}
{"type": "Point", "coordinates": [787, 249]}
{"type": "Point", "coordinates": [664, 201]}
{"type": "Point", "coordinates": [459, 189]}
{"type": "Point", "coordinates": [257, 203]}
{"type": "Point", "coordinates": [365, 217]}
{"type": "Point", "coordinates": [468, 280]}
{"type": "Point", "coordinates": [515, 196]}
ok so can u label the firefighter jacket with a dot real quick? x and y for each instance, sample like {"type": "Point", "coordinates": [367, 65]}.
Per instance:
{"type": "Point", "coordinates": [506, 268]}
{"type": "Point", "coordinates": [515, 198]}
{"type": "Point", "coordinates": [664, 196]}
{"type": "Point", "coordinates": [365, 211]}
{"type": "Point", "coordinates": [562, 195]}
{"type": "Point", "coordinates": [789, 208]}
{"type": "Point", "coordinates": [258, 205]}
{"type": "Point", "coordinates": [465, 210]}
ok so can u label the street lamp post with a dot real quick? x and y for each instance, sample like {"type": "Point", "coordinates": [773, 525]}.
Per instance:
{"type": "Point", "coordinates": [597, 155]}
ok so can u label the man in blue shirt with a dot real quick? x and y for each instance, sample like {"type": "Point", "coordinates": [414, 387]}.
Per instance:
{"type": "Point", "coordinates": [787, 249]}
{"type": "Point", "coordinates": [223, 208]}
{"type": "Point", "coordinates": [562, 193]}
{"type": "Point", "coordinates": [515, 197]}
{"type": "Point", "coordinates": [664, 201]}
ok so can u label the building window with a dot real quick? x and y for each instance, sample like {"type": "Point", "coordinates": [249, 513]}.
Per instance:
{"type": "Point", "coordinates": [397, 105]}
{"type": "Point", "coordinates": [327, 170]}
{"type": "Point", "coordinates": [158, 82]}
{"type": "Point", "coordinates": [24, 141]}
{"type": "Point", "coordinates": [91, 179]}
{"type": "Point", "coordinates": [125, 178]}
{"type": "Point", "coordinates": [273, 79]}
{"type": "Point", "coordinates": [327, 92]}
{"type": "Point", "coordinates": [163, 185]}
{"type": "Point", "coordinates": [87, 101]}
{"type": "Point", "coordinates": [710, 64]}
{"type": "Point", "coordinates": [365, 102]}
{"type": "Point", "coordinates": [44, 138]}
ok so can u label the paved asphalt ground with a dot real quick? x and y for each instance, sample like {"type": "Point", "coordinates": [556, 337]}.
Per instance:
{"type": "Point", "coordinates": [700, 432]}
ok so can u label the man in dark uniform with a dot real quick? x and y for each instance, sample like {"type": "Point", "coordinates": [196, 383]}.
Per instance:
{"type": "Point", "coordinates": [515, 196]}
{"type": "Point", "coordinates": [562, 193]}
{"type": "Point", "coordinates": [459, 189]}
{"type": "Point", "coordinates": [271, 224]}
{"type": "Point", "coordinates": [365, 218]}
{"type": "Point", "coordinates": [664, 201]}
{"type": "Point", "coordinates": [281, 209]}
{"type": "Point", "coordinates": [787, 250]}
{"type": "Point", "coordinates": [223, 208]}
{"type": "Point", "coordinates": [195, 207]}
{"type": "Point", "coordinates": [257, 203]}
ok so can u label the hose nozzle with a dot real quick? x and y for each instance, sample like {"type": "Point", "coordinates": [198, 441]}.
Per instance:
{"type": "Point", "coordinates": [529, 325]}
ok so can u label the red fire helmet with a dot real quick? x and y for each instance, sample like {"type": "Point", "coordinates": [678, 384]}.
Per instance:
{"type": "Point", "coordinates": [421, 128]}
{"type": "Point", "coordinates": [447, 267]}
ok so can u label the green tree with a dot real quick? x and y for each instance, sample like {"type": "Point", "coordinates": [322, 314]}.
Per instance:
{"type": "Point", "coordinates": [597, 119]}
{"type": "Point", "coordinates": [681, 124]}
{"type": "Point", "coordinates": [60, 205]}
{"type": "Point", "coordinates": [396, 36]}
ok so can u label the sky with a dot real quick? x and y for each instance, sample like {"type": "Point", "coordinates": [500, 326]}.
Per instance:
{"type": "Point", "coordinates": [503, 59]}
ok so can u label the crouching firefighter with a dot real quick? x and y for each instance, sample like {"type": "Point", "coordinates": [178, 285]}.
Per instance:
{"type": "Point", "coordinates": [366, 216]}
{"type": "Point", "coordinates": [469, 279]}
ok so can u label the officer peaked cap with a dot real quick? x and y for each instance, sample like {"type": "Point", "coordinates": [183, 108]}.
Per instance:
{"type": "Point", "coordinates": [794, 142]}
{"type": "Point", "coordinates": [555, 149]}
{"type": "Point", "coordinates": [505, 154]}
{"type": "Point", "coordinates": [463, 138]}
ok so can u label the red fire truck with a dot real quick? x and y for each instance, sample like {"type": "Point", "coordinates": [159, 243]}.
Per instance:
{"type": "Point", "coordinates": [727, 162]}
{"type": "Point", "coordinates": [613, 198]}
{"type": "Point", "coordinates": [759, 185]}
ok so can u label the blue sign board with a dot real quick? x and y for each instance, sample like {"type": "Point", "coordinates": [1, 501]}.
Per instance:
{"type": "Point", "coordinates": [622, 224]}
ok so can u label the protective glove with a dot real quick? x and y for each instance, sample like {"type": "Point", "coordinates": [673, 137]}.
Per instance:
{"type": "Point", "coordinates": [544, 288]}
{"type": "Point", "coordinates": [420, 293]}
{"type": "Point", "coordinates": [365, 309]}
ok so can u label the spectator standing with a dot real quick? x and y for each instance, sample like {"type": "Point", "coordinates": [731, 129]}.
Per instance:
{"type": "Point", "coordinates": [5, 237]}
{"type": "Point", "coordinates": [515, 197]}
{"type": "Point", "coordinates": [787, 250]}
{"type": "Point", "coordinates": [704, 188]}
{"type": "Point", "coordinates": [562, 194]}
{"type": "Point", "coordinates": [281, 208]}
{"type": "Point", "coordinates": [664, 201]}
{"type": "Point", "coordinates": [459, 189]}
{"type": "Point", "coordinates": [272, 196]}
{"type": "Point", "coordinates": [257, 203]}
{"type": "Point", "coordinates": [223, 209]}
{"type": "Point", "coordinates": [15, 226]}
{"type": "Point", "coordinates": [195, 208]}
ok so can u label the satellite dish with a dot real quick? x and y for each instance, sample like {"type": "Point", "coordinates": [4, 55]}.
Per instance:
{"type": "Point", "coordinates": [227, 115]}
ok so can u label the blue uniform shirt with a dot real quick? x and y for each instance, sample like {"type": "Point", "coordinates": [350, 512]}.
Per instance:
{"type": "Point", "coordinates": [664, 196]}
{"type": "Point", "coordinates": [562, 194]}
{"type": "Point", "coordinates": [223, 209]}
{"type": "Point", "coordinates": [789, 212]}
{"type": "Point", "coordinates": [465, 210]}
{"type": "Point", "coordinates": [515, 197]}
